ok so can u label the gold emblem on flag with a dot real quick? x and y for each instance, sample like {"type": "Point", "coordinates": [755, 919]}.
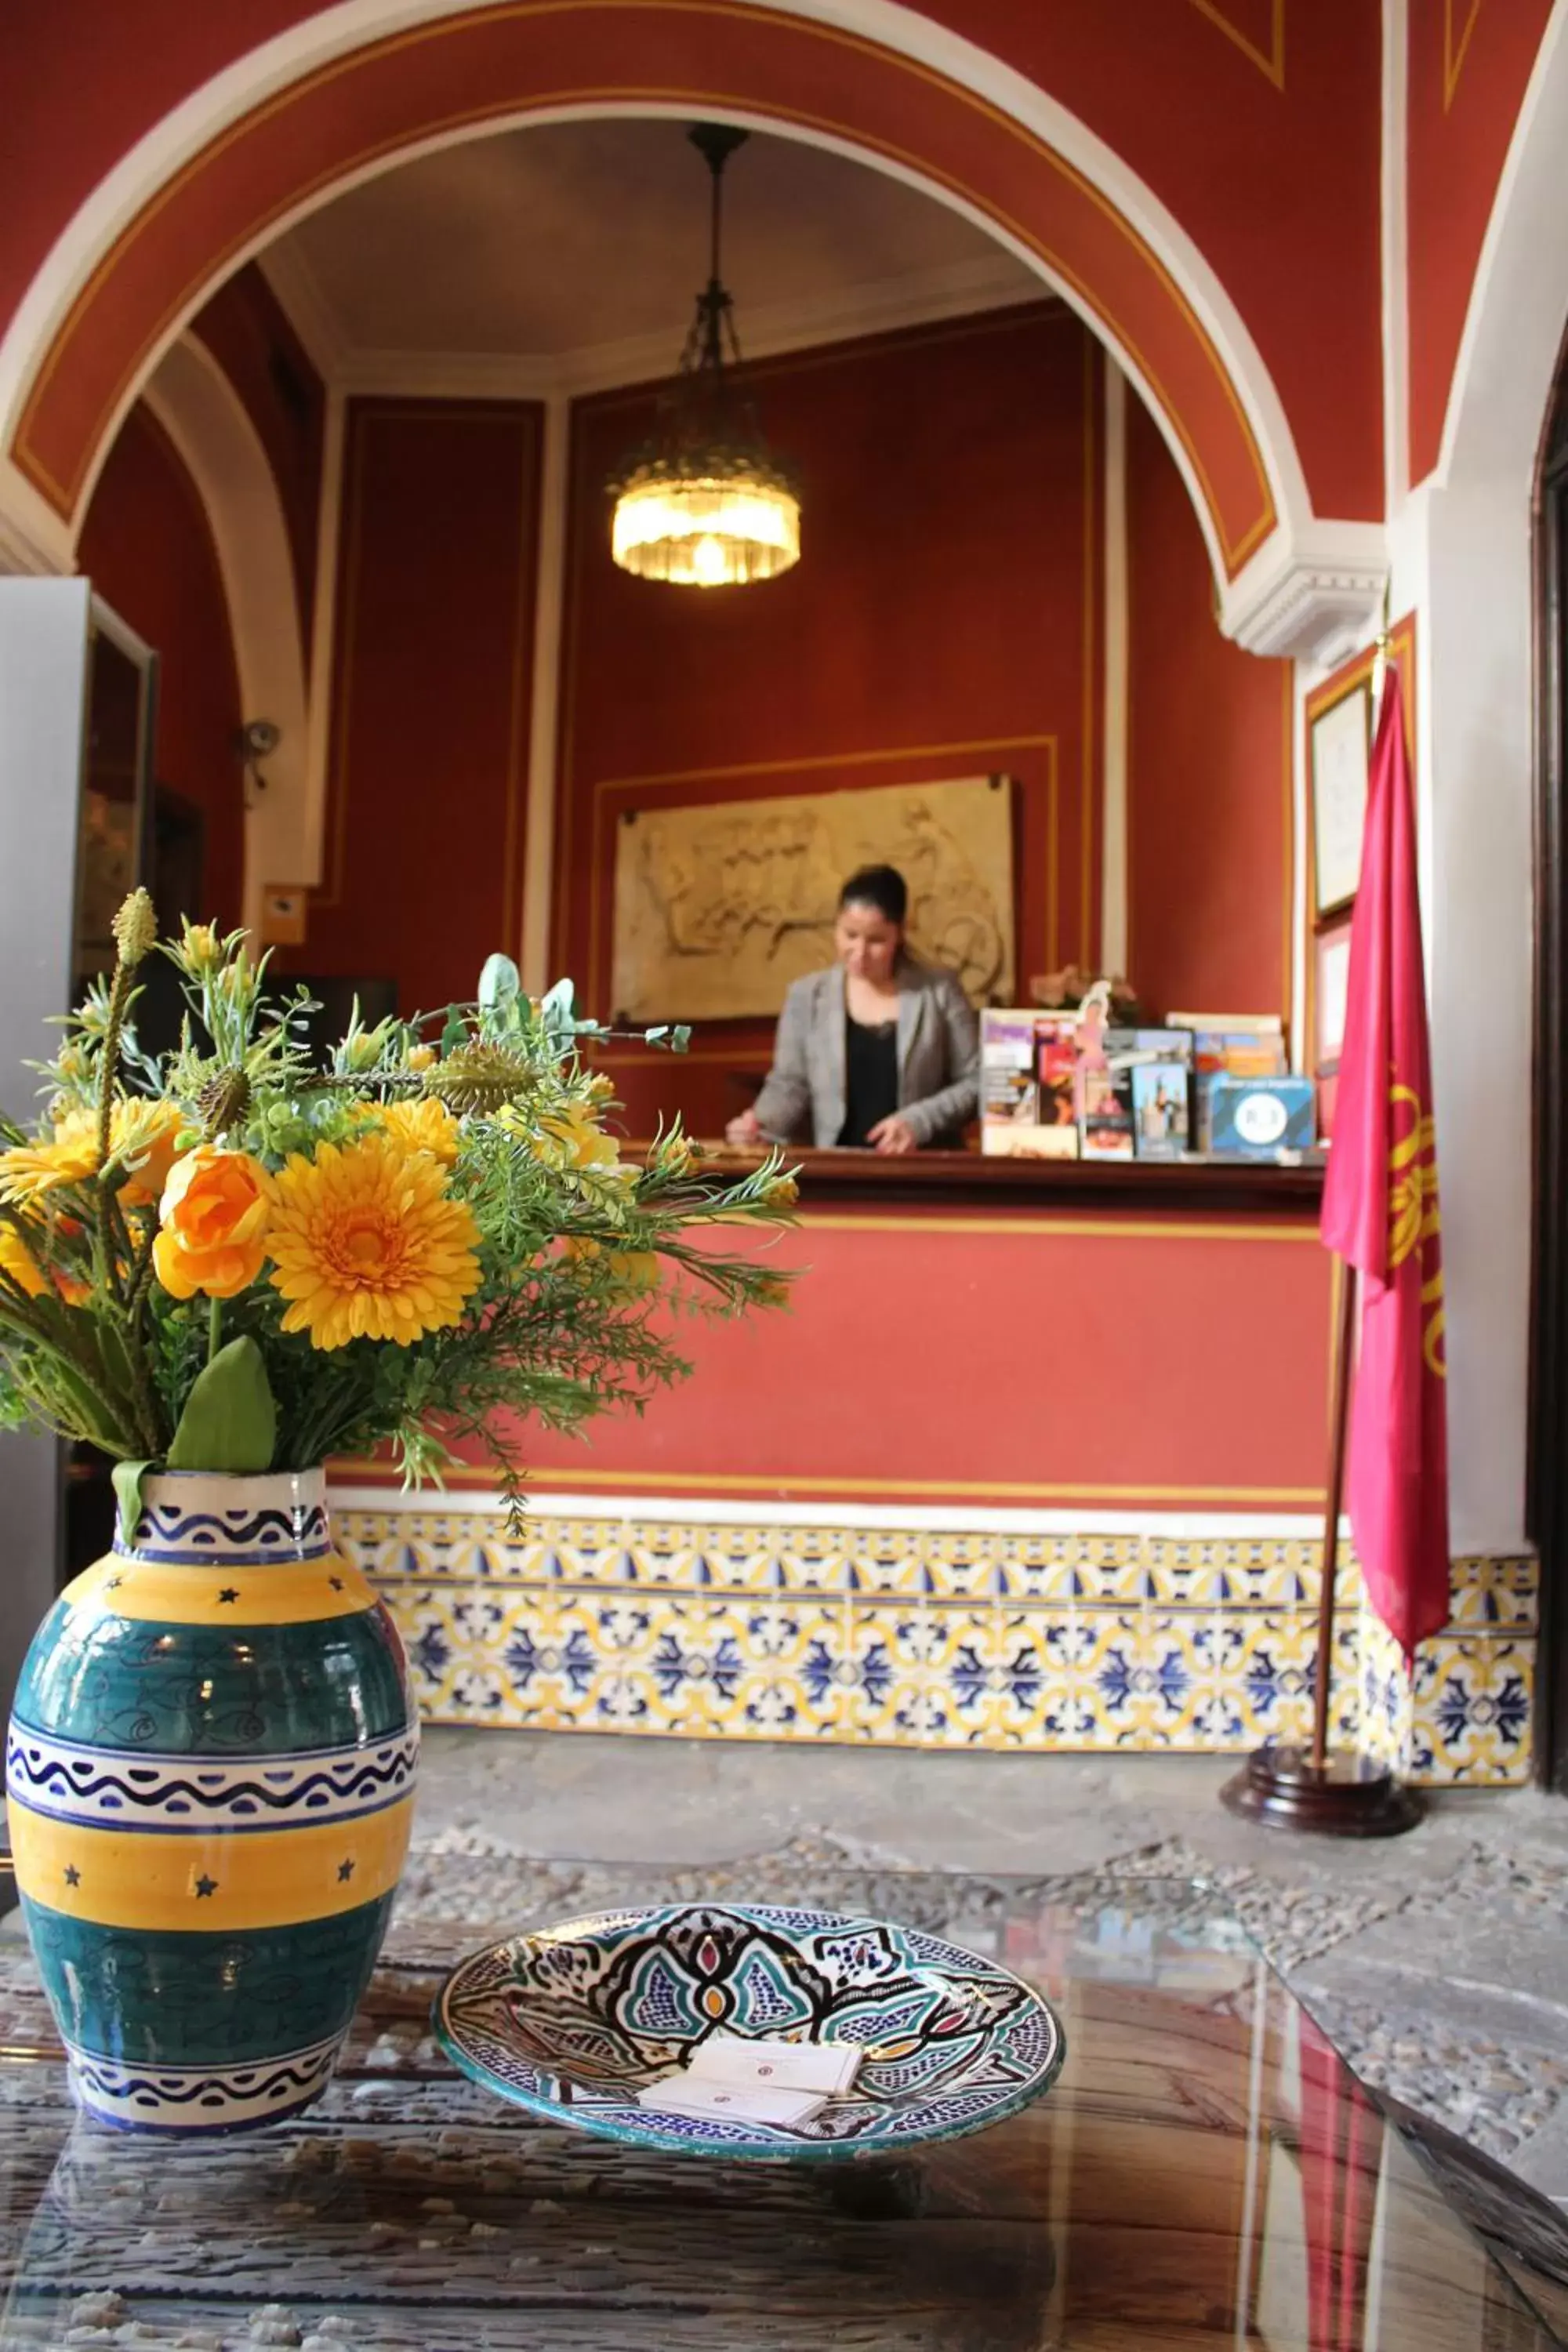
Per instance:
{"type": "Point", "coordinates": [1414, 1222]}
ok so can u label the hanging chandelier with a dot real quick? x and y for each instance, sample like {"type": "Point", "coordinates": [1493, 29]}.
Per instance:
{"type": "Point", "coordinates": [704, 504]}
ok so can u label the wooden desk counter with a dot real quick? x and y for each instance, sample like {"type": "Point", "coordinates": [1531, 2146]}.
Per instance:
{"type": "Point", "coordinates": [967, 1179]}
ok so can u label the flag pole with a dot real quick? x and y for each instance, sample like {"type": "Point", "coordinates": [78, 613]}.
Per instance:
{"type": "Point", "coordinates": [1349, 1794]}
{"type": "Point", "coordinates": [1338, 1426]}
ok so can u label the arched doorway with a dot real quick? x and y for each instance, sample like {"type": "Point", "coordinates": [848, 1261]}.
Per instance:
{"type": "Point", "coordinates": [214, 184]}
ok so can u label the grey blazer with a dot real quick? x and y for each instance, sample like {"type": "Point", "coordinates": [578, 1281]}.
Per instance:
{"type": "Point", "coordinates": [939, 1058]}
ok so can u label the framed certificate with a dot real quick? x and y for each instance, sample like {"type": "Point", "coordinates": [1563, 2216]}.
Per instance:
{"type": "Point", "coordinates": [1331, 992]}
{"type": "Point", "coordinates": [1341, 748]}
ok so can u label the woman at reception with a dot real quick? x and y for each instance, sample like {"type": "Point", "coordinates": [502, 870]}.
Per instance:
{"type": "Point", "coordinates": [878, 1052]}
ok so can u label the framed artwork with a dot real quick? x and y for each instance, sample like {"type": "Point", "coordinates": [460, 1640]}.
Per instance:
{"type": "Point", "coordinates": [1341, 750]}
{"type": "Point", "coordinates": [1330, 995]}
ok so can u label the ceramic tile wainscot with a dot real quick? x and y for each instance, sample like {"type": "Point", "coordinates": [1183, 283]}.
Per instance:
{"type": "Point", "coordinates": [903, 1629]}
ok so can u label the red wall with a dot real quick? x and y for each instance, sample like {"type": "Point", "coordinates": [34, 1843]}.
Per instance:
{"type": "Point", "coordinates": [1209, 828]}
{"type": "Point", "coordinates": [246, 329]}
{"type": "Point", "coordinates": [428, 774]}
{"type": "Point", "coordinates": [147, 548]}
{"type": "Point", "coordinates": [1469, 67]}
{"type": "Point", "coordinates": [942, 622]}
{"type": "Point", "coordinates": [965, 1314]}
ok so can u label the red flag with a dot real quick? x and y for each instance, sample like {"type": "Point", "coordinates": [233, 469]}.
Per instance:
{"type": "Point", "coordinates": [1379, 1213]}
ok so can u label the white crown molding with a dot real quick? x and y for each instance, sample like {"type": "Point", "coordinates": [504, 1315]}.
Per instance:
{"type": "Point", "coordinates": [882, 305]}
{"type": "Point", "coordinates": [299, 294]}
{"type": "Point", "coordinates": [1310, 598]}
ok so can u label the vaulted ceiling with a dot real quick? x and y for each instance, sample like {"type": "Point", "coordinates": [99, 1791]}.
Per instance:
{"type": "Point", "coordinates": [576, 243]}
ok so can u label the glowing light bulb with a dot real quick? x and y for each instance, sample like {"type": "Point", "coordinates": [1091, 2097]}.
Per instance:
{"type": "Point", "coordinates": [707, 562]}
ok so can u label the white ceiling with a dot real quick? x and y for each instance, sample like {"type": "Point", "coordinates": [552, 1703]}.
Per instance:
{"type": "Point", "coordinates": [574, 245]}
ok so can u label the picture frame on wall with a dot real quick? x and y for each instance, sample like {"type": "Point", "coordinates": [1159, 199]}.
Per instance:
{"type": "Point", "coordinates": [1341, 752]}
{"type": "Point", "coordinates": [1331, 994]}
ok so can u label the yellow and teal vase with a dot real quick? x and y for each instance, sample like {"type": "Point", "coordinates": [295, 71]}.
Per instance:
{"type": "Point", "coordinates": [210, 1775]}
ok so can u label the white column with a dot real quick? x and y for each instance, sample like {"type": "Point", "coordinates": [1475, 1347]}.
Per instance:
{"type": "Point", "coordinates": [1113, 728]}
{"type": "Point", "coordinates": [544, 727]}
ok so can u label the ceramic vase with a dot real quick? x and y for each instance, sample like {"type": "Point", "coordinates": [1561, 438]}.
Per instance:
{"type": "Point", "coordinates": [210, 1775]}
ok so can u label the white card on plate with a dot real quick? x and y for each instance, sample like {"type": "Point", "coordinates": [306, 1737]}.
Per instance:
{"type": "Point", "coordinates": [679, 2094]}
{"type": "Point", "coordinates": [828, 2066]}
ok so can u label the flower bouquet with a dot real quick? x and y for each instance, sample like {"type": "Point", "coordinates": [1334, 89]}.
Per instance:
{"type": "Point", "coordinates": [222, 1265]}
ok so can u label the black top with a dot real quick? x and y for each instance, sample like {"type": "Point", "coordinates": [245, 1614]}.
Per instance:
{"type": "Point", "coordinates": [870, 1079]}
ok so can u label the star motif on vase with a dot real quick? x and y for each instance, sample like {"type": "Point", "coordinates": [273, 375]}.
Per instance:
{"type": "Point", "coordinates": [73, 1876]}
{"type": "Point", "coordinates": [206, 1885]}
{"type": "Point", "coordinates": [345, 1871]}
{"type": "Point", "coordinates": [336, 1583]}
{"type": "Point", "coordinates": [113, 1584]}
{"type": "Point", "coordinates": [229, 1593]}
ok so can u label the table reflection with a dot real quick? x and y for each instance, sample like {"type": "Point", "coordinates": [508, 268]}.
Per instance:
{"type": "Point", "coordinates": [1207, 2172]}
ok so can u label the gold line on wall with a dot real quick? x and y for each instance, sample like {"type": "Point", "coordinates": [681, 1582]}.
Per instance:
{"type": "Point", "coordinates": [1077, 1228]}
{"type": "Point", "coordinates": [1454, 60]}
{"type": "Point", "coordinates": [655, 1482]}
{"type": "Point", "coordinates": [1085, 955]}
{"type": "Point", "coordinates": [1272, 65]}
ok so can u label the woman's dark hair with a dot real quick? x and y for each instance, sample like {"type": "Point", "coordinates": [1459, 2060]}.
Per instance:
{"type": "Point", "coordinates": [882, 887]}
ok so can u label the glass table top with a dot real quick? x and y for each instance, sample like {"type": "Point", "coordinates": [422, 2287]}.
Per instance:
{"type": "Point", "coordinates": [1207, 2172]}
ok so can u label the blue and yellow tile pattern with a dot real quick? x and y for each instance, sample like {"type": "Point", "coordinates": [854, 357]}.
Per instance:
{"type": "Point", "coordinates": [750, 1629]}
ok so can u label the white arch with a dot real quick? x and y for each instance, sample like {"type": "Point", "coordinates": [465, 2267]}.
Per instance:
{"type": "Point", "coordinates": [205, 418]}
{"type": "Point", "coordinates": [1277, 602]}
{"type": "Point", "coordinates": [1468, 560]}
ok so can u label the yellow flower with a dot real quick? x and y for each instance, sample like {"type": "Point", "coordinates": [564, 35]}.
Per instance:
{"type": "Point", "coordinates": [29, 1170]}
{"type": "Point", "coordinates": [771, 1291]}
{"type": "Point", "coordinates": [18, 1260]}
{"type": "Point", "coordinates": [422, 1126]}
{"type": "Point", "coordinates": [212, 1234]}
{"type": "Point", "coordinates": [778, 1192]}
{"type": "Point", "coordinates": [200, 946]}
{"type": "Point", "coordinates": [143, 1135]}
{"type": "Point", "coordinates": [367, 1244]}
{"type": "Point", "coordinates": [573, 1139]}
{"type": "Point", "coordinates": [144, 1132]}
{"type": "Point", "coordinates": [422, 1057]}
{"type": "Point", "coordinates": [636, 1270]}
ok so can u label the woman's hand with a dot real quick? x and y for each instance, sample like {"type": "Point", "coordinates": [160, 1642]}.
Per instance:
{"type": "Point", "coordinates": [893, 1134]}
{"type": "Point", "coordinates": [743, 1132]}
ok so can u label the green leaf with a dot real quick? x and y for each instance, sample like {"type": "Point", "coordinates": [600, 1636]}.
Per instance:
{"type": "Point", "coordinates": [128, 1477]}
{"type": "Point", "coordinates": [456, 1032]}
{"type": "Point", "coordinates": [230, 1422]}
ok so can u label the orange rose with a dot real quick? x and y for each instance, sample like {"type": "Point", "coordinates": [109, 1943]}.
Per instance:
{"type": "Point", "coordinates": [213, 1224]}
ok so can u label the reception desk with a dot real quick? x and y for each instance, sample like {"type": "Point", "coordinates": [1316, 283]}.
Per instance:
{"type": "Point", "coordinates": [1034, 1459]}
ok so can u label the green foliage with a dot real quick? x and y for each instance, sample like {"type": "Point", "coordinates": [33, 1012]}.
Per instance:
{"type": "Point", "coordinates": [585, 1261]}
{"type": "Point", "coordinates": [229, 1420]}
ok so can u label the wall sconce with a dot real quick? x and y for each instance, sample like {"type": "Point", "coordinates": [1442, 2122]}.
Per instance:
{"type": "Point", "coordinates": [257, 741]}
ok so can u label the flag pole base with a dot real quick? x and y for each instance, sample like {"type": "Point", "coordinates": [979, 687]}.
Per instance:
{"type": "Point", "coordinates": [1353, 1795]}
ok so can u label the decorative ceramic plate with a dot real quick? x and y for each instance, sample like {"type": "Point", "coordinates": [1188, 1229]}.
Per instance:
{"type": "Point", "coordinates": [573, 2021]}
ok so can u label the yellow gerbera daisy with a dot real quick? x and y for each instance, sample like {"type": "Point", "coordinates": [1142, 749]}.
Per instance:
{"type": "Point", "coordinates": [144, 1132]}
{"type": "Point", "coordinates": [422, 1126]}
{"type": "Point", "coordinates": [30, 1170]}
{"type": "Point", "coordinates": [366, 1245]}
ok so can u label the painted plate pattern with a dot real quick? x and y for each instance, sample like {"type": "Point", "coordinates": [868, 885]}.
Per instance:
{"type": "Point", "coordinates": [571, 2021]}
